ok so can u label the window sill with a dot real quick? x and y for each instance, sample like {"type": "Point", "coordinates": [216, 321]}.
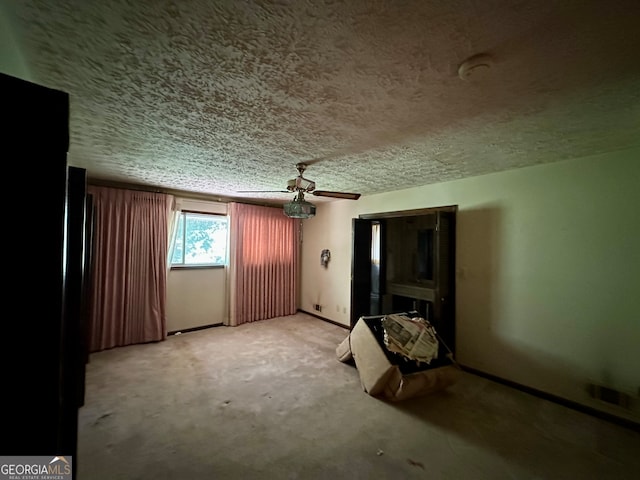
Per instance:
{"type": "Point", "coordinates": [195, 267]}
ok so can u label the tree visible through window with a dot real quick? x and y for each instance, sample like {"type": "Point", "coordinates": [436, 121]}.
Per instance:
{"type": "Point", "coordinates": [201, 240]}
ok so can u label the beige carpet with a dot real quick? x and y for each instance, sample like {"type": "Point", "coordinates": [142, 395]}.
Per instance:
{"type": "Point", "coordinates": [270, 400]}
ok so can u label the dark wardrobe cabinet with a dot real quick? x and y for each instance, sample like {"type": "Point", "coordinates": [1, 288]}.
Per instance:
{"type": "Point", "coordinates": [405, 261]}
{"type": "Point", "coordinates": [45, 259]}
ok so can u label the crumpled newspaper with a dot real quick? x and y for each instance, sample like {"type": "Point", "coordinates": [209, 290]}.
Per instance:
{"type": "Point", "coordinates": [413, 338]}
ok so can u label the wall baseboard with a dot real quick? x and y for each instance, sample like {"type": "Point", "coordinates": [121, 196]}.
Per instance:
{"type": "Point", "coordinates": [324, 319]}
{"type": "Point", "coordinates": [194, 329]}
{"type": "Point", "coordinates": [624, 422]}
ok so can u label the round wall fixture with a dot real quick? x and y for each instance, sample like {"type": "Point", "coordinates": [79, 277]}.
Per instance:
{"type": "Point", "coordinates": [474, 65]}
{"type": "Point", "coordinates": [325, 256]}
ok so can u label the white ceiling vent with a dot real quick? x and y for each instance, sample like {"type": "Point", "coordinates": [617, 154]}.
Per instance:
{"type": "Point", "coordinates": [475, 65]}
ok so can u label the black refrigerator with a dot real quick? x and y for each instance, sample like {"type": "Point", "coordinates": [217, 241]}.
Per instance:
{"type": "Point", "coordinates": [44, 353]}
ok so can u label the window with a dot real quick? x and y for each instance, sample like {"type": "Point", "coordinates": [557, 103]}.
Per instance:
{"type": "Point", "coordinates": [200, 240]}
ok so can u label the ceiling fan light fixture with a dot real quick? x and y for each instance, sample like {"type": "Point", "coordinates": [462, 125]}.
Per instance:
{"type": "Point", "coordinates": [299, 208]}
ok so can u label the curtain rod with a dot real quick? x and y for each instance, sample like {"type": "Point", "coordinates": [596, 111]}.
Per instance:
{"type": "Point", "coordinates": [176, 193]}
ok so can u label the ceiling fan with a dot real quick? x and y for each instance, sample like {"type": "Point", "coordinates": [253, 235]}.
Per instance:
{"type": "Point", "coordinates": [299, 207]}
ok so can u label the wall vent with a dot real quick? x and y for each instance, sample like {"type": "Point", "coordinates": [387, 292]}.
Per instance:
{"type": "Point", "coordinates": [609, 395]}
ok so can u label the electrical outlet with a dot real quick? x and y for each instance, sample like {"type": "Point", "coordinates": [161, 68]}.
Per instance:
{"type": "Point", "coordinates": [317, 307]}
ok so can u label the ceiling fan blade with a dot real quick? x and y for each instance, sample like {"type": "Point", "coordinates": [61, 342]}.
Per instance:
{"type": "Point", "coordinates": [347, 196]}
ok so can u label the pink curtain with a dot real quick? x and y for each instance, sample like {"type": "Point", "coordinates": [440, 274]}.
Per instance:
{"type": "Point", "coordinates": [263, 263]}
{"type": "Point", "coordinates": [129, 274]}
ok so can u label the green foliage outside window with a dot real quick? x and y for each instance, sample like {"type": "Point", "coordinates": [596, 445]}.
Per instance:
{"type": "Point", "coordinates": [200, 240]}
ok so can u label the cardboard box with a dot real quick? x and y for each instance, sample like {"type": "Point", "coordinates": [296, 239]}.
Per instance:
{"type": "Point", "coordinates": [343, 351]}
{"type": "Point", "coordinates": [383, 374]}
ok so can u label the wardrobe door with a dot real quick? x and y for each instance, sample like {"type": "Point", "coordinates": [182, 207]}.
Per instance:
{"type": "Point", "coordinates": [444, 314]}
{"type": "Point", "coordinates": [73, 354]}
{"type": "Point", "coordinates": [37, 416]}
{"type": "Point", "coordinates": [360, 270]}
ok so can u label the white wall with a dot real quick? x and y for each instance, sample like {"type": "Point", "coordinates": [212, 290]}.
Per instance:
{"type": "Point", "coordinates": [197, 296]}
{"type": "Point", "coordinates": [11, 59]}
{"type": "Point", "coordinates": [548, 271]}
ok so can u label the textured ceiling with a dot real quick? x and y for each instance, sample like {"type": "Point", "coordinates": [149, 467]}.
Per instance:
{"type": "Point", "coordinates": [218, 97]}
